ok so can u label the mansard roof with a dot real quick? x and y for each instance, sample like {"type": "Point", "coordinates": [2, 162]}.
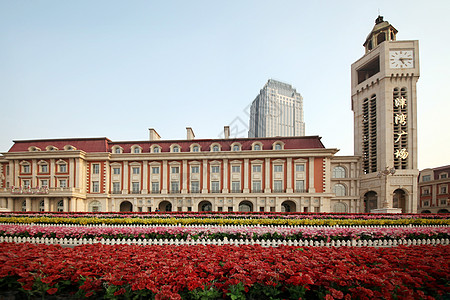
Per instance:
{"type": "Point", "coordinates": [105, 145]}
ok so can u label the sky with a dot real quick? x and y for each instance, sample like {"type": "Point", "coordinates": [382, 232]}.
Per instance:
{"type": "Point", "coordinates": [117, 68]}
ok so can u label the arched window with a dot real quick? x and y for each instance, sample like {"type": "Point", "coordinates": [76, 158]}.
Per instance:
{"type": "Point", "coordinates": [340, 208]}
{"type": "Point", "coordinates": [117, 149]}
{"type": "Point", "coordinates": [216, 148]}
{"type": "Point", "coordinates": [175, 148]}
{"type": "Point", "coordinates": [339, 189]}
{"type": "Point", "coordinates": [155, 149]}
{"type": "Point", "coordinates": [339, 172]}
{"type": "Point", "coordinates": [136, 149]}
{"type": "Point", "coordinates": [257, 146]}
{"type": "Point", "coordinates": [41, 205]}
{"type": "Point", "coordinates": [60, 206]}
{"type": "Point", "coordinates": [95, 206]}
{"type": "Point", "coordinates": [236, 147]}
{"type": "Point", "coordinates": [195, 148]}
{"type": "Point", "coordinates": [24, 205]}
{"type": "Point", "coordinates": [277, 146]}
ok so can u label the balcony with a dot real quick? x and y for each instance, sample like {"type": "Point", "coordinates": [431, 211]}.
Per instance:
{"type": "Point", "coordinates": [116, 192]}
{"type": "Point", "coordinates": [278, 191]}
{"type": "Point", "coordinates": [174, 191]}
{"type": "Point", "coordinates": [300, 191]}
{"type": "Point", "coordinates": [236, 191]}
{"type": "Point", "coordinates": [256, 191]}
{"type": "Point", "coordinates": [156, 192]}
{"type": "Point", "coordinates": [135, 192]}
{"type": "Point", "coordinates": [216, 191]}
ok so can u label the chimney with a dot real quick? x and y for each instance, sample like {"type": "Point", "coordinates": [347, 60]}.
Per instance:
{"type": "Point", "coordinates": [226, 132]}
{"type": "Point", "coordinates": [154, 136]}
{"type": "Point", "coordinates": [189, 133]}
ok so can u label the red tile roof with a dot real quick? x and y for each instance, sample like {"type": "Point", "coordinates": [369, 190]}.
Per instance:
{"type": "Point", "coordinates": [105, 145]}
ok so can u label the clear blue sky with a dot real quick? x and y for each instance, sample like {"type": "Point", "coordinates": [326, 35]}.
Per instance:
{"type": "Point", "coordinates": [116, 68]}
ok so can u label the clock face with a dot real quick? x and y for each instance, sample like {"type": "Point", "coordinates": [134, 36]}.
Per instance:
{"type": "Point", "coordinates": [401, 59]}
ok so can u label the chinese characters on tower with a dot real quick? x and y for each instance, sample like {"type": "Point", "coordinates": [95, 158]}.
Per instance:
{"type": "Point", "coordinates": [400, 121]}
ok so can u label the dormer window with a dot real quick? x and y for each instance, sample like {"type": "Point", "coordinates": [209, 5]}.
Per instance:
{"type": "Point", "coordinates": [175, 148]}
{"type": "Point", "coordinates": [33, 148]}
{"type": "Point", "coordinates": [215, 147]}
{"type": "Point", "coordinates": [117, 149]}
{"type": "Point", "coordinates": [257, 146]}
{"type": "Point", "coordinates": [278, 146]}
{"type": "Point", "coordinates": [51, 148]}
{"type": "Point", "coordinates": [236, 147]}
{"type": "Point", "coordinates": [69, 147]}
{"type": "Point", "coordinates": [136, 149]}
{"type": "Point", "coordinates": [155, 149]}
{"type": "Point", "coordinates": [196, 149]}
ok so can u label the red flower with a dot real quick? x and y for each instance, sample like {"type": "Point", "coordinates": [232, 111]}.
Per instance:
{"type": "Point", "coordinates": [52, 291]}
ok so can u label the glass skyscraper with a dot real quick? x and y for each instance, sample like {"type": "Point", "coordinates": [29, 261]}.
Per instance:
{"type": "Point", "coordinates": [277, 111]}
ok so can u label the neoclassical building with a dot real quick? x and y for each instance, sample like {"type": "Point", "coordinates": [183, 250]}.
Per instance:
{"type": "Point", "coordinates": [270, 174]}
{"type": "Point", "coordinates": [97, 174]}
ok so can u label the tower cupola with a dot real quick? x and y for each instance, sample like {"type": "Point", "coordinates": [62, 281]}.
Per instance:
{"type": "Point", "coordinates": [382, 31]}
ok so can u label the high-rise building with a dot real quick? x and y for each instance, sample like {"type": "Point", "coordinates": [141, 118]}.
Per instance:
{"type": "Point", "coordinates": [277, 111]}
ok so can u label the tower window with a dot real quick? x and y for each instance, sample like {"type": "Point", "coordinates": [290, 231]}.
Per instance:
{"type": "Point", "coordinates": [369, 69]}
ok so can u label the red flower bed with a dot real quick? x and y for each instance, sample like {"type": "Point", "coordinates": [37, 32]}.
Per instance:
{"type": "Point", "coordinates": [251, 272]}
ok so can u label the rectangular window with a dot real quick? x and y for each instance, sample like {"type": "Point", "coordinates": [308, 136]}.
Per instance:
{"type": "Point", "coordinates": [155, 187]}
{"type": "Point", "coordinates": [175, 170]}
{"type": "Point", "coordinates": [215, 169]}
{"type": "Point", "coordinates": [135, 188]}
{"type": "Point", "coordinates": [62, 168]}
{"type": "Point", "coordinates": [195, 187]}
{"type": "Point", "coordinates": [174, 187]}
{"type": "Point", "coordinates": [278, 168]}
{"type": "Point", "coordinates": [44, 182]}
{"type": "Point", "coordinates": [443, 176]}
{"type": "Point", "coordinates": [256, 168]}
{"type": "Point", "coordinates": [7, 170]}
{"type": "Point", "coordinates": [256, 186]}
{"type": "Point", "coordinates": [235, 169]}
{"type": "Point", "coordinates": [63, 183]}
{"type": "Point", "coordinates": [95, 168]}
{"type": "Point", "coordinates": [426, 203]}
{"type": "Point", "coordinates": [300, 186]}
{"type": "Point", "coordinates": [215, 186]}
{"type": "Point", "coordinates": [136, 170]}
{"type": "Point", "coordinates": [278, 186]}
{"type": "Point", "coordinates": [195, 169]}
{"type": "Point", "coordinates": [155, 170]}
{"type": "Point", "coordinates": [95, 186]}
{"type": "Point", "coordinates": [425, 191]}
{"type": "Point", "coordinates": [300, 168]}
{"type": "Point", "coordinates": [235, 186]}
{"type": "Point", "coordinates": [26, 168]}
{"type": "Point", "coordinates": [116, 187]}
{"type": "Point", "coordinates": [116, 171]}
{"type": "Point", "coordinates": [443, 202]}
{"type": "Point", "coordinates": [426, 178]}
{"type": "Point", "coordinates": [44, 168]}
{"type": "Point", "coordinates": [443, 189]}
{"type": "Point", "coordinates": [26, 183]}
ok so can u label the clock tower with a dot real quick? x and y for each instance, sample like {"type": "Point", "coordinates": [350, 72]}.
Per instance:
{"type": "Point", "coordinates": [384, 103]}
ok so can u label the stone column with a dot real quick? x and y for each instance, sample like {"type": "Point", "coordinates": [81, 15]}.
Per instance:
{"type": "Point", "coordinates": [28, 205]}
{"type": "Point", "coordinates": [125, 178]}
{"type": "Point", "coordinates": [51, 184]}
{"type": "Point", "coordinates": [66, 204]}
{"type": "Point", "coordinates": [34, 182]}
{"type": "Point", "coordinates": [311, 188]}
{"type": "Point", "coordinates": [246, 183]}
{"type": "Point", "coordinates": [268, 176]}
{"type": "Point", "coordinates": [10, 204]}
{"type": "Point", "coordinates": [184, 178]}
{"type": "Point", "coordinates": [225, 176]}
{"type": "Point", "coordinates": [289, 188]}
{"type": "Point", "coordinates": [205, 177]}
{"type": "Point", "coordinates": [46, 204]}
{"type": "Point", "coordinates": [164, 176]}
{"type": "Point", "coordinates": [145, 177]}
